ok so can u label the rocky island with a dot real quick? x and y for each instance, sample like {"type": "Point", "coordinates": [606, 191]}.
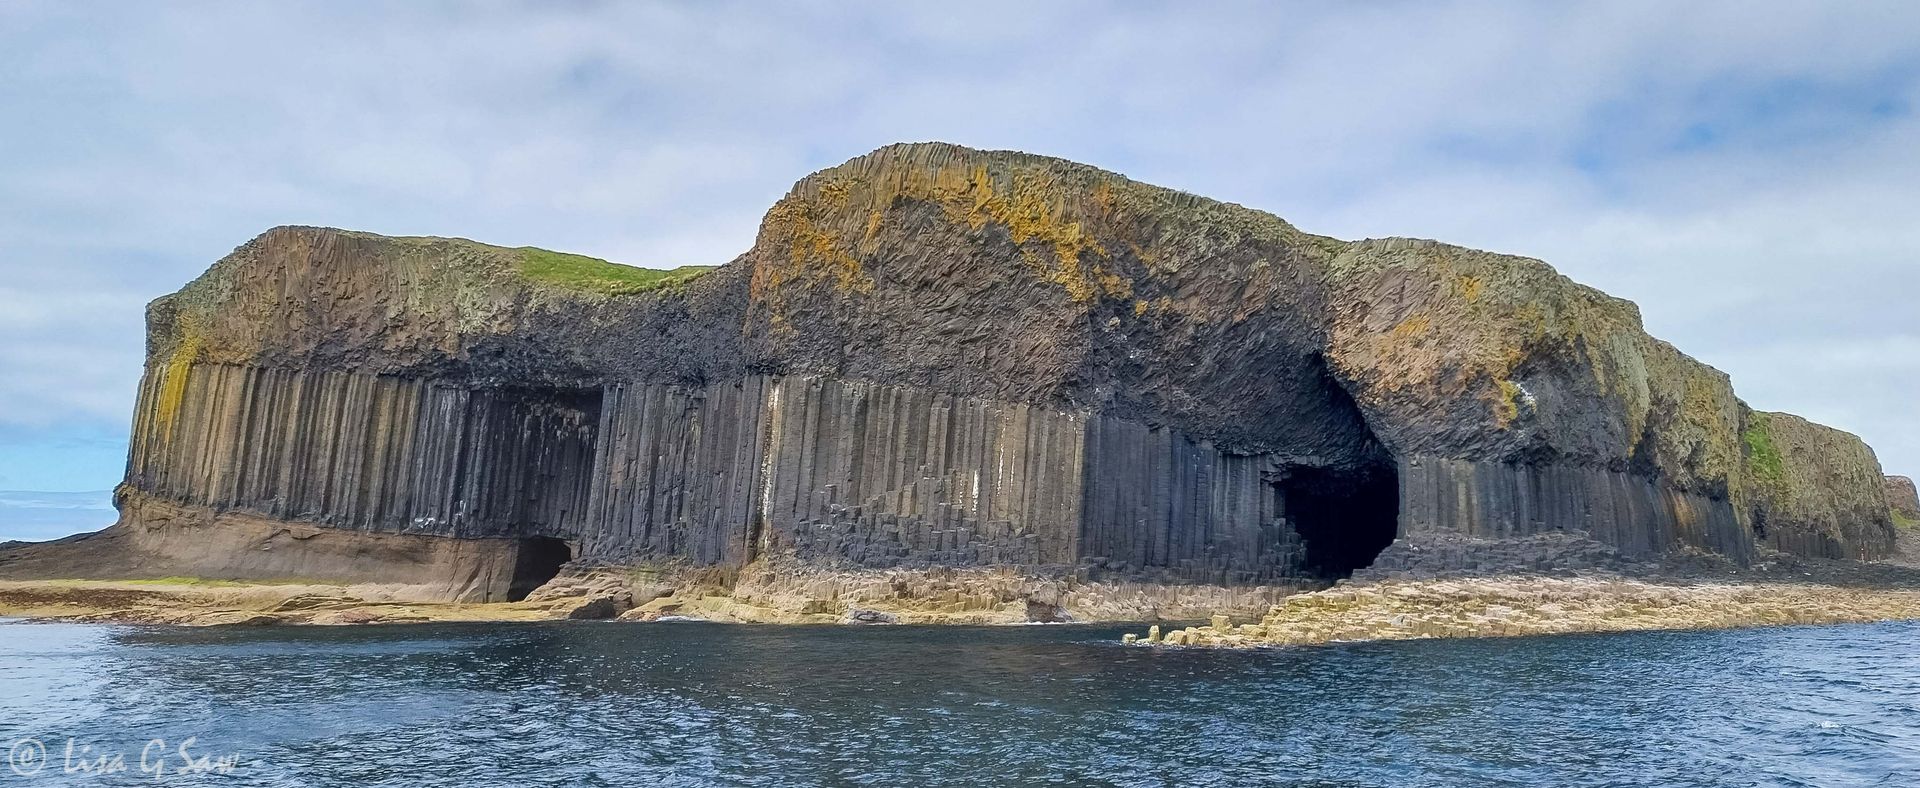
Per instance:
{"type": "Point", "coordinates": [947, 384]}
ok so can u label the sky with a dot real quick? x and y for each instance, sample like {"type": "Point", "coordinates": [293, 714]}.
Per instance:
{"type": "Point", "coordinates": [1748, 172]}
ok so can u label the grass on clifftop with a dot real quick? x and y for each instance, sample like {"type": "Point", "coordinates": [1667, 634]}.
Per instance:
{"type": "Point", "coordinates": [593, 275]}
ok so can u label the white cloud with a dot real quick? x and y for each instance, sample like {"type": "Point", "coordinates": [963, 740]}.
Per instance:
{"type": "Point", "coordinates": [1746, 173]}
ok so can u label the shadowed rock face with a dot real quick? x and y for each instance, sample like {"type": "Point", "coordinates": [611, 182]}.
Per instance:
{"type": "Point", "coordinates": [933, 355]}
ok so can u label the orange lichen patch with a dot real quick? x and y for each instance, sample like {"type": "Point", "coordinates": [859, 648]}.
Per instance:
{"type": "Point", "coordinates": [1469, 287]}
{"type": "Point", "coordinates": [834, 192]}
{"type": "Point", "coordinates": [812, 251]}
{"type": "Point", "coordinates": [1030, 203]}
{"type": "Point", "coordinates": [1147, 256]}
{"type": "Point", "coordinates": [1103, 198]}
{"type": "Point", "coordinates": [1032, 210]}
{"type": "Point", "coordinates": [875, 217]}
{"type": "Point", "coordinates": [1114, 284]}
{"type": "Point", "coordinates": [1412, 328]}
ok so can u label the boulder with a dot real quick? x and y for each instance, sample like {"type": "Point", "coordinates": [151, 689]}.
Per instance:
{"type": "Point", "coordinates": [865, 616]}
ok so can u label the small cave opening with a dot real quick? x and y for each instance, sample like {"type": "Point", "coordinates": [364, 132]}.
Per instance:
{"type": "Point", "coordinates": [1345, 518]}
{"type": "Point", "coordinates": [539, 560]}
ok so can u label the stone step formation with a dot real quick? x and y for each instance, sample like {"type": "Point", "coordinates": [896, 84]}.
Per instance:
{"type": "Point", "coordinates": [939, 356]}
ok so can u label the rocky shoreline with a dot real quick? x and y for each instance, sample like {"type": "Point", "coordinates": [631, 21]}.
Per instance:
{"type": "Point", "coordinates": [1664, 597]}
{"type": "Point", "coordinates": [1523, 606]}
{"type": "Point", "coordinates": [197, 602]}
{"type": "Point", "coordinates": [782, 594]}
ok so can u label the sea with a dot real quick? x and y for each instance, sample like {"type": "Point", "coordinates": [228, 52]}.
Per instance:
{"type": "Point", "coordinates": [703, 704]}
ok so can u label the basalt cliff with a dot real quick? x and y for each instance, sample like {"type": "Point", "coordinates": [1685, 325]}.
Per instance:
{"type": "Point", "coordinates": [937, 359]}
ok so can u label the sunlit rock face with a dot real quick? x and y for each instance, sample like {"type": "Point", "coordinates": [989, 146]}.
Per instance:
{"type": "Point", "coordinates": [933, 356]}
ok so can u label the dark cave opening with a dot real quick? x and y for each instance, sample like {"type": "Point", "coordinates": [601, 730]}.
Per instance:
{"type": "Point", "coordinates": [1344, 512]}
{"type": "Point", "coordinates": [1345, 517]}
{"type": "Point", "coordinates": [539, 560]}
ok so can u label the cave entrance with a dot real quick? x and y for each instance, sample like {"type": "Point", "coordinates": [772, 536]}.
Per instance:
{"type": "Point", "coordinates": [539, 560]}
{"type": "Point", "coordinates": [1345, 518]}
{"type": "Point", "coordinates": [1344, 512]}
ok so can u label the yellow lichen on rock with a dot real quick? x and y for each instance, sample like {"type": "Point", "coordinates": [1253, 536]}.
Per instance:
{"type": "Point", "coordinates": [1028, 202]}
{"type": "Point", "coordinates": [812, 251]}
{"type": "Point", "coordinates": [173, 379]}
{"type": "Point", "coordinates": [1507, 405]}
{"type": "Point", "coordinates": [1031, 209]}
{"type": "Point", "coordinates": [1425, 326]}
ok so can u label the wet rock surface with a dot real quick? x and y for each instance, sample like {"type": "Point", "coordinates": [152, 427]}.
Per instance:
{"type": "Point", "coordinates": [863, 616]}
{"type": "Point", "coordinates": [599, 607]}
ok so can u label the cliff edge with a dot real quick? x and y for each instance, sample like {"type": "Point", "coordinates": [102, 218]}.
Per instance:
{"type": "Point", "coordinates": [934, 356]}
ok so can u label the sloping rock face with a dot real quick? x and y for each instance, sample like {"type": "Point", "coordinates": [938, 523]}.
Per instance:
{"type": "Point", "coordinates": [939, 356]}
{"type": "Point", "coordinates": [1521, 404]}
{"type": "Point", "coordinates": [1903, 500]}
{"type": "Point", "coordinates": [1811, 489]}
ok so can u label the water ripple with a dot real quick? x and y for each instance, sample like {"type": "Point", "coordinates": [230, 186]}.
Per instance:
{"type": "Point", "coordinates": [703, 704]}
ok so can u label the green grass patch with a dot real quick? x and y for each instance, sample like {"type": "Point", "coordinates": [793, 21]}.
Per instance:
{"type": "Point", "coordinates": [593, 275]}
{"type": "Point", "coordinates": [1762, 455]}
{"type": "Point", "coordinates": [1902, 521]}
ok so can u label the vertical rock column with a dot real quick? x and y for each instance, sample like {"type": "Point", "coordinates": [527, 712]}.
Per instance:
{"type": "Point", "coordinates": [1155, 499]}
{"type": "Point", "coordinates": [833, 470]}
{"type": "Point", "coordinates": [364, 452]}
{"type": "Point", "coordinates": [882, 475]}
{"type": "Point", "coordinates": [678, 472]}
{"type": "Point", "coordinates": [1491, 500]}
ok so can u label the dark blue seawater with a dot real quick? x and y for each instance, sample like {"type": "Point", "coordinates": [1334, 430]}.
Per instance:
{"type": "Point", "coordinates": [701, 704]}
